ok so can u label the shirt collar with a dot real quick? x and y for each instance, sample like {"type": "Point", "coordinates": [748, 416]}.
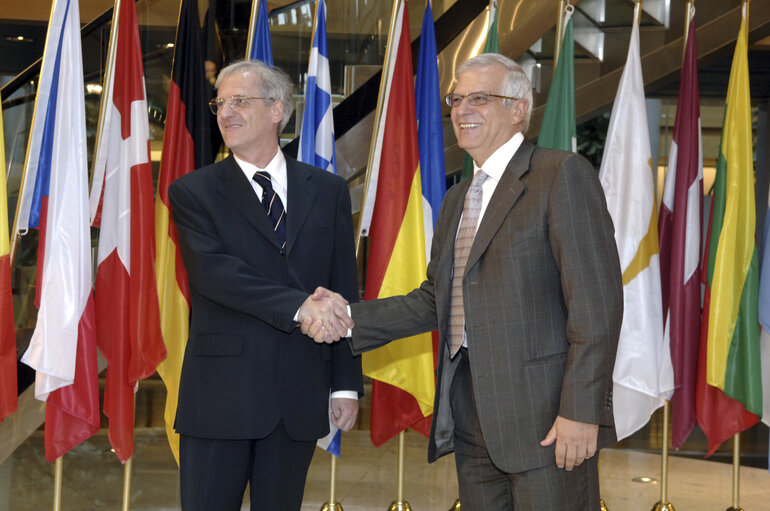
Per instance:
{"type": "Point", "coordinates": [276, 168]}
{"type": "Point", "coordinates": [498, 160]}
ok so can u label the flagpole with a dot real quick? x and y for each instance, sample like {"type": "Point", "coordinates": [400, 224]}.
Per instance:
{"type": "Point", "coordinates": [252, 24]}
{"type": "Point", "coordinates": [736, 472]}
{"type": "Point", "coordinates": [108, 73]}
{"type": "Point", "coordinates": [400, 504]}
{"type": "Point", "coordinates": [559, 35]}
{"type": "Point", "coordinates": [332, 504]}
{"type": "Point", "coordinates": [127, 468]}
{"type": "Point", "coordinates": [57, 482]}
{"type": "Point", "coordinates": [377, 118]}
{"type": "Point", "coordinates": [688, 17]}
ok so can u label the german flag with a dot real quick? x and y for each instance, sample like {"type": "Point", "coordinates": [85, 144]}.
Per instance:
{"type": "Point", "coordinates": [186, 146]}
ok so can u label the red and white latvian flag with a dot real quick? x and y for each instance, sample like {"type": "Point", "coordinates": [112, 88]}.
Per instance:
{"type": "Point", "coordinates": [679, 228]}
{"type": "Point", "coordinates": [127, 313]}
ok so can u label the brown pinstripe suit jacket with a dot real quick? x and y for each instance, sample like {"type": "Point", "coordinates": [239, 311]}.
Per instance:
{"type": "Point", "coordinates": [543, 308]}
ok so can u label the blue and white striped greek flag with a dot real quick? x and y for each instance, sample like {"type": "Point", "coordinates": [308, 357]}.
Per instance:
{"type": "Point", "coordinates": [316, 140]}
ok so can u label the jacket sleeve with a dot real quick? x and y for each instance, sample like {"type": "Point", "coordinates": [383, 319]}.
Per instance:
{"type": "Point", "coordinates": [223, 277]}
{"type": "Point", "coordinates": [582, 241]}
{"type": "Point", "coordinates": [346, 368]}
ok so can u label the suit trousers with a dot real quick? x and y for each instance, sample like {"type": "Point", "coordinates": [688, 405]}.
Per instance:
{"type": "Point", "coordinates": [213, 472]}
{"type": "Point", "coordinates": [483, 486]}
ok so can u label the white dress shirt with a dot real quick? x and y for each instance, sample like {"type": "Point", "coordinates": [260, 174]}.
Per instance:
{"type": "Point", "coordinates": [494, 168]}
{"type": "Point", "coordinates": [277, 170]}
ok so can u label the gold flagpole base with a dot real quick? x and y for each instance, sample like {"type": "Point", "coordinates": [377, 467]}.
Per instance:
{"type": "Point", "coordinates": [602, 505]}
{"type": "Point", "coordinates": [455, 506]}
{"type": "Point", "coordinates": [332, 506]}
{"type": "Point", "coordinates": [660, 506]}
{"type": "Point", "coordinates": [400, 505]}
{"type": "Point", "coordinates": [734, 509]}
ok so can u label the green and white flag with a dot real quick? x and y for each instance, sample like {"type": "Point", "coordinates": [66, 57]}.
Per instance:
{"type": "Point", "coordinates": [558, 129]}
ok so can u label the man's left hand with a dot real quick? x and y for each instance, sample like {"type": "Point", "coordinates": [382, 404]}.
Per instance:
{"type": "Point", "coordinates": [575, 441]}
{"type": "Point", "coordinates": [344, 412]}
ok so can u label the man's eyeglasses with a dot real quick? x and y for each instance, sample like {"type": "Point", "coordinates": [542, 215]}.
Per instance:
{"type": "Point", "coordinates": [474, 98]}
{"type": "Point", "coordinates": [237, 103]}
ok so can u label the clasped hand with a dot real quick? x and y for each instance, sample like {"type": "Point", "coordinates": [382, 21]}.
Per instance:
{"type": "Point", "coordinates": [324, 316]}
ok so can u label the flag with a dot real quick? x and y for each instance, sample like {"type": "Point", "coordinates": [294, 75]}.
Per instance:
{"type": "Point", "coordinates": [127, 314]}
{"type": "Point", "coordinates": [392, 214]}
{"type": "Point", "coordinates": [332, 441]}
{"type": "Point", "coordinates": [8, 386]}
{"type": "Point", "coordinates": [558, 130]}
{"type": "Point", "coordinates": [492, 45]}
{"type": "Point", "coordinates": [430, 130]}
{"type": "Point", "coordinates": [729, 393]}
{"type": "Point", "coordinates": [679, 228]}
{"type": "Point", "coordinates": [316, 142]}
{"type": "Point", "coordinates": [259, 47]}
{"type": "Point", "coordinates": [186, 146]}
{"type": "Point", "coordinates": [764, 317]}
{"type": "Point", "coordinates": [54, 199]}
{"type": "Point", "coordinates": [316, 139]}
{"type": "Point", "coordinates": [643, 376]}
{"type": "Point", "coordinates": [394, 409]}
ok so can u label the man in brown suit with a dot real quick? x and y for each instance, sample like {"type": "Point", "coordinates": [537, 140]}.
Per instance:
{"type": "Point", "coordinates": [526, 402]}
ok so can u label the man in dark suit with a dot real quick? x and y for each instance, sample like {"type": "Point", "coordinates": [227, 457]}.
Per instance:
{"type": "Point", "coordinates": [525, 288]}
{"type": "Point", "coordinates": [258, 232]}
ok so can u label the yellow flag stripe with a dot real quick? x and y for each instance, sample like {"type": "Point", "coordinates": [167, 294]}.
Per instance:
{"type": "Point", "coordinates": [174, 320]}
{"type": "Point", "coordinates": [5, 246]}
{"type": "Point", "coordinates": [736, 241]}
{"type": "Point", "coordinates": [648, 247]}
{"type": "Point", "coordinates": [406, 363]}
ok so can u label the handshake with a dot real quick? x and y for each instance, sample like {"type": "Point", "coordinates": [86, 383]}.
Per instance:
{"type": "Point", "coordinates": [324, 316]}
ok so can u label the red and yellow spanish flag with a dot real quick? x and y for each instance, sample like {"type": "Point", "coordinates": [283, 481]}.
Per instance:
{"type": "Point", "coordinates": [729, 387]}
{"type": "Point", "coordinates": [392, 215]}
{"type": "Point", "coordinates": [186, 146]}
{"type": "Point", "coordinates": [8, 389]}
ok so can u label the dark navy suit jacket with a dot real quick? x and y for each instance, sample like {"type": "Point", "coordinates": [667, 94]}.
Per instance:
{"type": "Point", "coordinates": [247, 365]}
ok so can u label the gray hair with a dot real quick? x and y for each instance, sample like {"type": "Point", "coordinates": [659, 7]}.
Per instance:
{"type": "Point", "coordinates": [273, 83]}
{"type": "Point", "coordinates": [515, 84]}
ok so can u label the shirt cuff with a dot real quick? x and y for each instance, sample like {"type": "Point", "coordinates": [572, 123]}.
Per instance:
{"type": "Point", "coordinates": [350, 331]}
{"type": "Point", "coordinates": [344, 394]}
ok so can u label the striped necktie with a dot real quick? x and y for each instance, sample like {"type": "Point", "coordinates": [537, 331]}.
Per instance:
{"type": "Point", "coordinates": [465, 235]}
{"type": "Point", "coordinates": [273, 206]}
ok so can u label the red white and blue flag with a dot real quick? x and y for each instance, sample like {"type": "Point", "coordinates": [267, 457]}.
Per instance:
{"type": "Point", "coordinates": [54, 199]}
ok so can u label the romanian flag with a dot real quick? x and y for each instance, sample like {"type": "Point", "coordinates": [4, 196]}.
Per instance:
{"type": "Point", "coordinates": [392, 215]}
{"type": "Point", "coordinates": [729, 394]}
{"type": "Point", "coordinates": [643, 377]}
{"type": "Point", "coordinates": [127, 314]}
{"type": "Point", "coordinates": [186, 146]}
{"type": "Point", "coordinates": [8, 388]}
{"type": "Point", "coordinates": [54, 199]}
{"type": "Point", "coordinates": [679, 228]}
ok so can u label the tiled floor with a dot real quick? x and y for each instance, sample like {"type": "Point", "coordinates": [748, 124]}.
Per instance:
{"type": "Point", "coordinates": [93, 478]}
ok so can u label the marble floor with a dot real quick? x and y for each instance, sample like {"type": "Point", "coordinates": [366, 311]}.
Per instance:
{"type": "Point", "coordinates": [93, 478]}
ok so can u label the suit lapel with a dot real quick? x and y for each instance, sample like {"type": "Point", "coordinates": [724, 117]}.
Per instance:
{"type": "Point", "coordinates": [505, 196]}
{"type": "Point", "coordinates": [237, 190]}
{"type": "Point", "coordinates": [301, 194]}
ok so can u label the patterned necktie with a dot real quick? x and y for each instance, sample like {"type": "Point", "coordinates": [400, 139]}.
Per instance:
{"type": "Point", "coordinates": [465, 235]}
{"type": "Point", "coordinates": [273, 206]}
